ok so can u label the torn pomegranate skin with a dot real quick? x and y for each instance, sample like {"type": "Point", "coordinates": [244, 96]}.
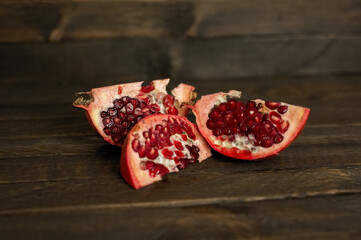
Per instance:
{"type": "Point", "coordinates": [160, 144]}
{"type": "Point", "coordinates": [112, 111]}
{"type": "Point", "coordinates": [253, 130]}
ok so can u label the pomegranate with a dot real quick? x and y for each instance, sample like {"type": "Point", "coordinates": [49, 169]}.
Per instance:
{"type": "Point", "coordinates": [252, 130]}
{"type": "Point", "coordinates": [114, 110]}
{"type": "Point", "coordinates": [160, 144]}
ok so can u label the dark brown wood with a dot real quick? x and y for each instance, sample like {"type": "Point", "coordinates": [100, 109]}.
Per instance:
{"type": "Point", "coordinates": [42, 21]}
{"type": "Point", "coordinates": [109, 61]}
{"type": "Point", "coordinates": [334, 217]}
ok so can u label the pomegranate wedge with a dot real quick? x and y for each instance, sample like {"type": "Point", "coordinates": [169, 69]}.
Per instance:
{"type": "Point", "coordinates": [160, 144]}
{"type": "Point", "coordinates": [114, 110]}
{"type": "Point", "coordinates": [252, 130]}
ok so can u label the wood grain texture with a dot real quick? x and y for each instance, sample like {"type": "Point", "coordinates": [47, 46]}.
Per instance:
{"type": "Point", "coordinates": [42, 21]}
{"type": "Point", "coordinates": [317, 218]}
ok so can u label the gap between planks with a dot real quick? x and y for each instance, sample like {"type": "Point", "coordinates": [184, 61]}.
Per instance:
{"type": "Point", "coordinates": [173, 203]}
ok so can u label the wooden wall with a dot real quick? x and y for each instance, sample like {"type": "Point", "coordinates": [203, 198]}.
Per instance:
{"type": "Point", "coordinates": [97, 42]}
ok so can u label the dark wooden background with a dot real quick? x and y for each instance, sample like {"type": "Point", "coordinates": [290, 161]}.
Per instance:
{"type": "Point", "coordinates": [59, 180]}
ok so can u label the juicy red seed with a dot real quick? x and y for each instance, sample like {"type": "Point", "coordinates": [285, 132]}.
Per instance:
{"type": "Point", "coordinates": [241, 106]}
{"type": "Point", "coordinates": [228, 119]}
{"type": "Point", "coordinates": [138, 111]}
{"type": "Point", "coordinates": [226, 131]}
{"type": "Point", "coordinates": [116, 138]}
{"type": "Point", "coordinates": [214, 114]}
{"type": "Point", "coordinates": [154, 107]}
{"type": "Point", "coordinates": [184, 137]}
{"type": "Point", "coordinates": [235, 130]}
{"type": "Point", "coordinates": [118, 103]}
{"type": "Point", "coordinates": [159, 127]}
{"type": "Point", "coordinates": [232, 103]}
{"type": "Point", "coordinates": [257, 117]}
{"type": "Point", "coordinates": [275, 118]}
{"type": "Point", "coordinates": [243, 127]}
{"type": "Point", "coordinates": [210, 124]}
{"type": "Point", "coordinates": [278, 138]}
{"type": "Point", "coordinates": [240, 115]}
{"type": "Point", "coordinates": [167, 153]}
{"type": "Point", "coordinates": [272, 105]}
{"type": "Point", "coordinates": [103, 114]}
{"type": "Point", "coordinates": [220, 123]}
{"type": "Point", "coordinates": [251, 112]}
{"type": "Point", "coordinates": [152, 153]}
{"type": "Point", "coordinates": [182, 163]}
{"type": "Point", "coordinates": [267, 125]}
{"type": "Point", "coordinates": [163, 171]}
{"type": "Point", "coordinates": [268, 142]}
{"type": "Point", "coordinates": [117, 121]}
{"type": "Point", "coordinates": [283, 126]}
{"type": "Point", "coordinates": [178, 145]}
{"type": "Point", "coordinates": [257, 128]}
{"type": "Point", "coordinates": [168, 100]}
{"type": "Point", "coordinates": [108, 122]}
{"type": "Point", "coordinates": [147, 89]}
{"type": "Point", "coordinates": [251, 104]}
{"type": "Point", "coordinates": [273, 132]}
{"type": "Point", "coordinates": [106, 130]}
{"type": "Point", "coordinates": [125, 100]}
{"type": "Point", "coordinates": [179, 154]}
{"type": "Point", "coordinates": [116, 130]}
{"type": "Point", "coordinates": [141, 151]}
{"type": "Point", "coordinates": [135, 145]}
{"type": "Point", "coordinates": [129, 108]}
{"type": "Point", "coordinates": [282, 109]}
{"type": "Point", "coordinates": [172, 110]}
{"type": "Point", "coordinates": [223, 107]}
{"type": "Point", "coordinates": [217, 132]}
{"type": "Point", "coordinates": [231, 138]}
{"type": "Point", "coordinates": [250, 123]}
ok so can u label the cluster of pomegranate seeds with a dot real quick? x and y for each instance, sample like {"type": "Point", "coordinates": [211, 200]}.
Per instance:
{"type": "Point", "coordinates": [125, 113]}
{"type": "Point", "coordinates": [263, 127]}
{"type": "Point", "coordinates": [157, 142]}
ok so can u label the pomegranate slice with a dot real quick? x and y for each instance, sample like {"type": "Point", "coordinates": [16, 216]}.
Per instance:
{"type": "Point", "coordinates": [160, 144]}
{"type": "Point", "coordinates": [254, 130]}
{"type": "Point", "coordinates": [114, 110]}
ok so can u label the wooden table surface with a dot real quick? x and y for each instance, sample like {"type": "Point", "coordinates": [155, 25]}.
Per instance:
{"type": "Point", "coordinates": [60, 180]}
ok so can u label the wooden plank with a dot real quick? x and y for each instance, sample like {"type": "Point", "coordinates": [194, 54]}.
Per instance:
{"type": "Point", "coordinates": [81, 63]}
{"type": "Point", "coordinates": [104, 62]}
{"type": "Point", "coordinates": [334, 217]}
{"type": "Point", "coordinates": [43, 21]}
{"type": "Point", "coordinates": [86, 144]}
{"type": "Point", "coordinates": [262, 57]}
{"type": "Point", "coordinates": [89, 157]}
{"type": "Point", "coordinates": [180, 189]}
{"type": "Point", "coordinates": [78, 20]}
{"type": "Point", "coordinates": [237, 18]}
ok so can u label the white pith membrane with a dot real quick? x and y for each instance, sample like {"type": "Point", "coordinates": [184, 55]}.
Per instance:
{"type": "Point", "coordinates": [133, 166]}
{"type": "Point", "coordinates": [242, 146]}
{"type": "Point", "coordinates": [105, 96]}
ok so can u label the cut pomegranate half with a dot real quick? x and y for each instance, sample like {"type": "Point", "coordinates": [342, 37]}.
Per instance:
{"type": "Point", "coordinates": [114, 110]}
{"type": "Point", "coordinates": [254, 130]}
{"type": "Point", "coordinates": [160, 144]}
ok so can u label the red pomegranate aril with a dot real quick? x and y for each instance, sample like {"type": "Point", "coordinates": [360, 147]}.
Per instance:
{"type": "Point", "coordinates": [152, 153]}
{"type": "Point", "coordinates": [116, 130]}
{"type": "Point", "coordinates": [107, 131]}
{"type": "Point", "coordinates": [159, 127]}
{"type": "Point", "coordinates": [283, 126]}
{"type": "Point", "coordinates": [118, 103]}
{"type": "Point", "coordinates": [272, 105]}
{"type": "Point", "coordinates": [240, 115]}
{"type": "Point", "coordinates": [103, 114]}
{"type": "Point", "coordinates": [241, 106]}
{"type": "Point", "coordinates": [178, 145]}
{"type": "Point", "coordinates": [273, 132]}
{"type": "Point", "coordinates": [217, 132]}
{"type": "Point", "coordinates": [135, 145]}
{"type": "Point", "coordinates": [267, 125]}
{"type": "Point", "coordinates": [167, 153]}
{"type": "Point", "coordinates": [108, 122]}
{"type": "Point", "coordinates": [168, 100]}
{"type": "Point", "coordinates": [154, 107]}
{"type": "Point", "coordinates": [257, 128]}
{"type": "Point", "coordinates": [275, 118]}
{"type": "Point", "coordinates": [117, 121]}
{"type": "Point", "coordinates": [278, 138]}
{"type": "Point", "coordinates": [266, 143]}
{"type": "Point", "coordinates": [257, 117]}
{"type": "Point", "coordinates": [214, 114]}
{"type": "Point", "coordinates": [172, 110]}
{"type": "Point", "coordinates": [210, 124]}
{"type": "Point", "coordinates": [223, 107]}
{"type": "Point", "coordinates": [184, 137]}
{"type": "Point", "coordinates": [141, 151]}
{"type": "Point", "coordinates": [147, 89]}
{"type": "Point", "coordinates": [232, 104]}
{"type": "Point", "coordinates": [125, 100]}
{"type": "Point", "coordinates": [282, 109]}
{"type": "Point", "coordinates": [250, 123]}
{"type": "Point", "coordinates": [179, 154]}
{"type": "Point", "coordinates": [251, 104]}
{"type": "Point", "coordinates": [146, 134]}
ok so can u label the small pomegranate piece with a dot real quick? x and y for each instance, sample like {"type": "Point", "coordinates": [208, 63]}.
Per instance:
{"type": "Point", "coordinates": [144, 161]}
{"type": "Point", "coordinates": [254, 130]}
{"type": "Point", "coordinates": [112, 111]}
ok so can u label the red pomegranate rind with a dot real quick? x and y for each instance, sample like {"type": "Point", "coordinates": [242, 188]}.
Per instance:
{"type": "Point", "coordinates": [102, 100]}
{"type": "Point", "coordinates": [293, 119]}
{"type": "Point", "coordinates": [132, 166]}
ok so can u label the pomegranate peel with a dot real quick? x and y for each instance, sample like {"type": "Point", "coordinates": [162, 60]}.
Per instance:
{"type": "Point", "coordinates": [255, 130]}
{"type": "Point", "coordinates": [113, 110]}
{"type": "Point", "coordinates": [177, 143]}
